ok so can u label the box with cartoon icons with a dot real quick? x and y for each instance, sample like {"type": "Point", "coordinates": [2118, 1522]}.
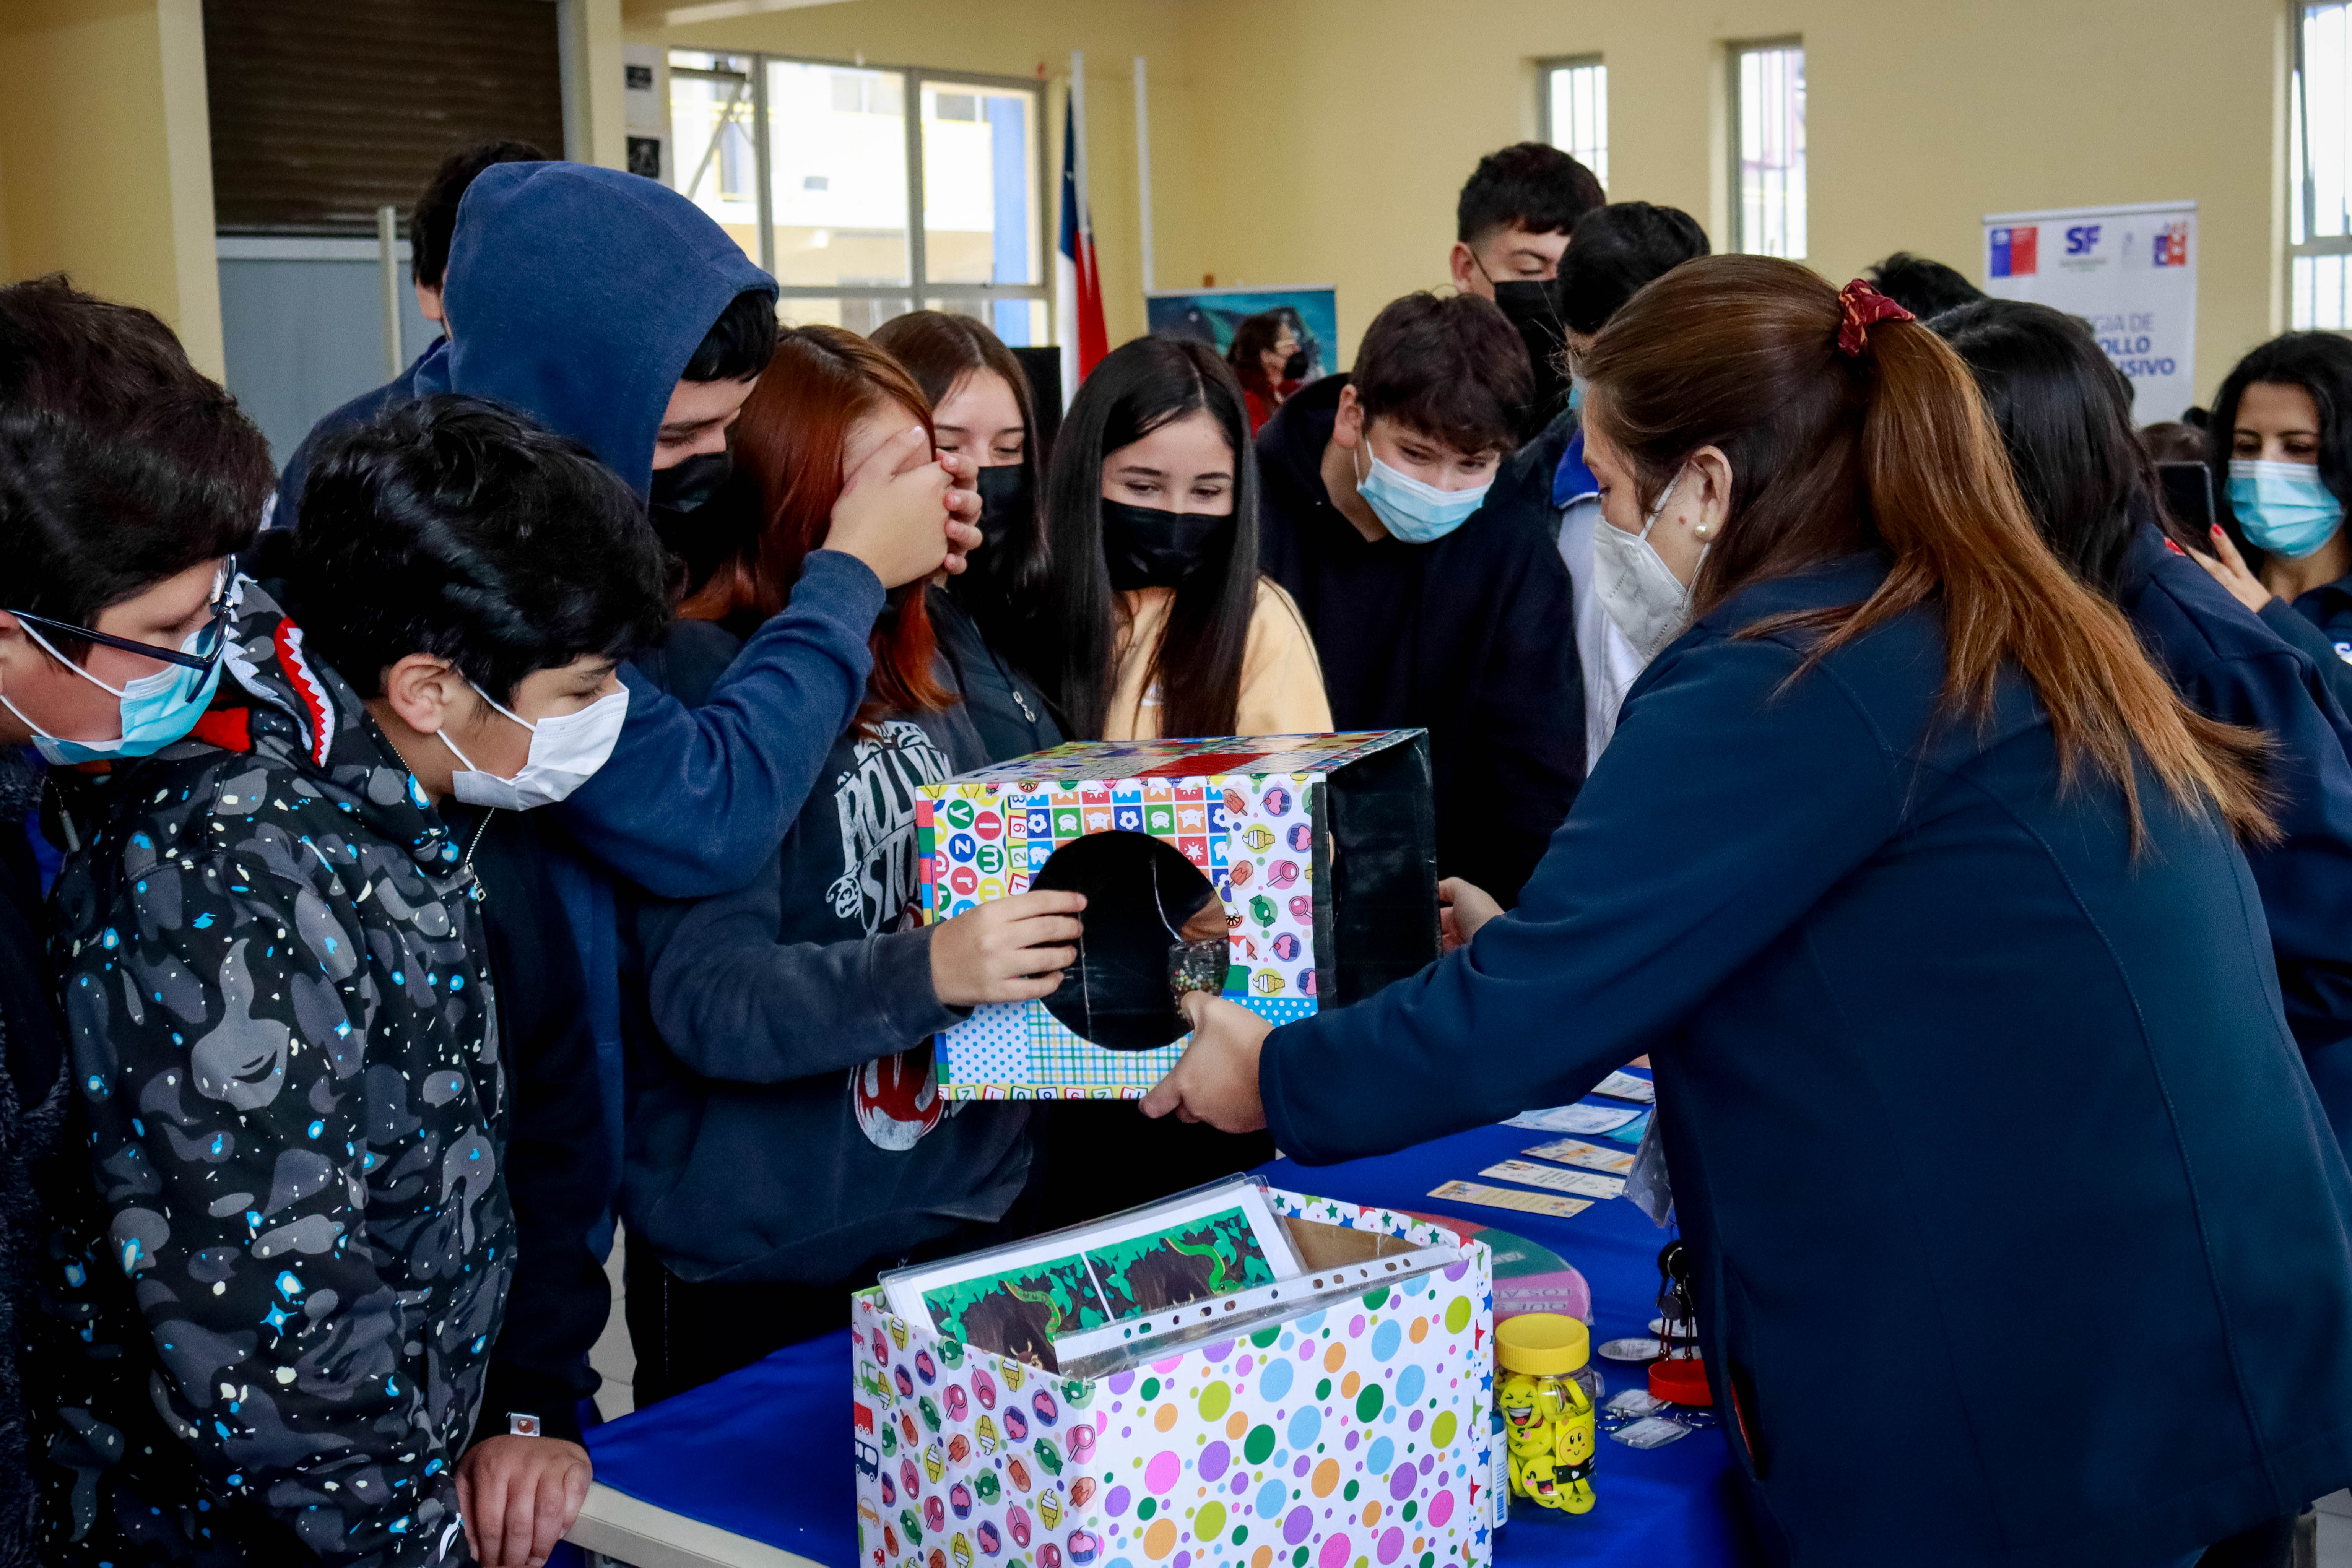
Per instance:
{"type": "Point", "coordinates": [1303, 865]}
{"type": "Point", "coordinates": [1361, 1432]}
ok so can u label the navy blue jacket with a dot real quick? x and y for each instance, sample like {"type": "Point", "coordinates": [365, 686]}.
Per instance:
{"type": "Point", "coordinates": [2020, 1235]}
{"type": "Point", "coordinates": [2229, 666]}
{"type": "Point", "coordinates": [2320, 623]}
{"type": "Point", "coordinates": [428, 374]}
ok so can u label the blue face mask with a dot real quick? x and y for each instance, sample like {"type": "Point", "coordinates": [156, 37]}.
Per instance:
{"type": "Point", "coordinates": [2287, 509]}
{"type": "Point", "coordinates": [157, 710]}
{"type": "Point", "coordinates": [1412, 510]}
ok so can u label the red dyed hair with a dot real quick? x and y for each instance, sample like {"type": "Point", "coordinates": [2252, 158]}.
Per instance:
{"type": "Point", "coordinates": [791, 440]}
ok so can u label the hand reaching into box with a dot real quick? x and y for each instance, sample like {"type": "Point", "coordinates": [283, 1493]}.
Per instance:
{"type": "Point", "coordinates": [1217, 1081]}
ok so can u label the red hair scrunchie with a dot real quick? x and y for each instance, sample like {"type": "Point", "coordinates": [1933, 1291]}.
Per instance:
{"type": "Point", "coordinates": [1861, 305]}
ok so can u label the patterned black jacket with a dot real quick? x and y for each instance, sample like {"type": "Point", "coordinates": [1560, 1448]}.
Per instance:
{"type": "Point", "coordinates": [285, 1045]}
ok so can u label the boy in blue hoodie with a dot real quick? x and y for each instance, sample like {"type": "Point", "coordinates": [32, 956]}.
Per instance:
{"type": "Point", "coordinates": [616, 312]}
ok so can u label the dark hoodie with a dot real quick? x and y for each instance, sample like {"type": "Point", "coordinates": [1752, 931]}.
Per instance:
{"type": "Point", "coordinates": [1472, 637]}
{"type": "Point", "coordinates": [578, 294]}
{"type": "Point", "coordinates": [274, 1331]}
{"type": "Point", "coordinates": [783, 1125]}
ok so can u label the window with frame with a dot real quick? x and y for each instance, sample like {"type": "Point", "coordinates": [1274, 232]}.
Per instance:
{"type": "Point", "coordinates": [862, 210]}
{"type": "Point", "coordinates": [2319, 169]}
{"type": "Point", "coordinates": [1767, 148]}
{"type": "Point", "coordinates": [1573, 105]}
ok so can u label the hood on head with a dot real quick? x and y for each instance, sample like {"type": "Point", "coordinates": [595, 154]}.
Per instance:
{"type": "Point", "coordinates": [577, 294]}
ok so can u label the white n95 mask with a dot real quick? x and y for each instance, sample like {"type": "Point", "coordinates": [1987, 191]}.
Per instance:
{"type": "Point", "coordinates": [1637, 589]}
{"type": "Point", "coordinates": [565, 752]}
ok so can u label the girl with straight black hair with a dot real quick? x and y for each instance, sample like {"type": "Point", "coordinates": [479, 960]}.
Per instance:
{"type": "Point", "coordinates": [2283, 426]}
{"type": "Point", "coordinates": [2064, 411]}
{"type": "Point", "coordinates": [1154, 618]}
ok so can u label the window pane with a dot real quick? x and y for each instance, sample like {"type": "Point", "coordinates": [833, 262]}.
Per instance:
{"type": "Point", "coordinates": [980, 185]}
{"type": "Point", "coordinates": [1020, 323]}
{"type": "Point", "coordinates": [1579, 107]}
{"type": "Point", "coordinates": [859, 314]}
{"type": "Point", "coordinates": [710, 135]}
{"type": "Point", "coordinates": [1770, 120]}
{"type": "Point", "coordinates": [838, 144]}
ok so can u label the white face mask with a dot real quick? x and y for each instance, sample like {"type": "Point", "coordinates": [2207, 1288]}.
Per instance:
{"type": "Point", "coordinates": [1637, 589]}
{"type": "Point", "coordinates": [565, 752]}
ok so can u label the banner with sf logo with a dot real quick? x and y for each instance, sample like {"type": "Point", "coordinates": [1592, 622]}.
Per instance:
{"type": "Point", "coordinates": [2130, 271]}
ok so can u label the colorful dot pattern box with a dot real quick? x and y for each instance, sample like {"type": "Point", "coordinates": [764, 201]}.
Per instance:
{"type": "Point", "coordinates": [1254, 813]}
{"type": "Point", "coordinates": [1358, 1435]}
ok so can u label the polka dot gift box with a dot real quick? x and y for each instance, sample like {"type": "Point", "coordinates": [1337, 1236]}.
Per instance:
{"type": "Point", "coordinates": [1358, 1436]}
{"type": "Point", "coordinates": [1304, 867]}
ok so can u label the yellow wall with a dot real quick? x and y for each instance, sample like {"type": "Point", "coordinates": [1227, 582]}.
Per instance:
{"type": "Point", "coordinates": [106, 156]}
{"type": "Point", "coordinates": [1324, 141]}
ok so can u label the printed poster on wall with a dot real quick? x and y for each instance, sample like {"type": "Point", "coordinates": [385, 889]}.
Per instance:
{"type": "Point", "coordinates": [2131, 271]}
{"type": "Point", "coordinates": [1212, 314]}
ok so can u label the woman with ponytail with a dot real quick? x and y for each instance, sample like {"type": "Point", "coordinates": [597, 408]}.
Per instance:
{"type": "Point", "coordinates": [1924, 892]}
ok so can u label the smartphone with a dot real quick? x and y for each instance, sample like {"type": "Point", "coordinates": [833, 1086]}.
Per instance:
{"type": "Point", "coordinates": [2188, 496]}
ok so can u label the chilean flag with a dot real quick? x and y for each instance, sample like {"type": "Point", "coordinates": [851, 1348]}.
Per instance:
{"type": "Point", "coordinates": [1077, 280]}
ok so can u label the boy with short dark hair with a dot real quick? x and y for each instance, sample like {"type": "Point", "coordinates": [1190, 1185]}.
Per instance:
{"type": "Point", "coordinates": [293, 1041]}
{"type": "Point", "coordinates": [1426, 609]}
{"type": "Point", "coordinates": [1512, 221]}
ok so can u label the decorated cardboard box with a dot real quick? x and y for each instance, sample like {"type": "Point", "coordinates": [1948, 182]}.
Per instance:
{"type": "Point", "coordinates": [1361, 1433]}
{"type": "Point", "coordinates": [1319, 850]}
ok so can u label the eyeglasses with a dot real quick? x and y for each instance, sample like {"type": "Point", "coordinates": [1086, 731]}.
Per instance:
{"type": "Point", "coordinates": [209, 641]}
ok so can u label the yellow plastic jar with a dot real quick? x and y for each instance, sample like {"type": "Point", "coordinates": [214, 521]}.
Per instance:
{"type": "Point", "coordinates": [1546, 1391]}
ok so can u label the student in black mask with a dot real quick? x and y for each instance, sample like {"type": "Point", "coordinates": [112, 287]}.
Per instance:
{"type": "Point", "coordinates": [1511, 227]}
{"type": "Point", "coordinates": [1154, 618]}
{"type": "Point", "coordinates": [981, 407]}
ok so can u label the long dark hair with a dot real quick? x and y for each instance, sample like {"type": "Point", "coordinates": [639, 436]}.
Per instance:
{"type": "Point", "coordinates": [2064, 413]}
{"type": "Point", "coordinates": [1140, 387]}
{"type": "Point", "coordinates": [2321, 364]}
{"type": "Point", "coordinates": [1891, 449]}
{"type": "Point", "coordinates": [939, 351]}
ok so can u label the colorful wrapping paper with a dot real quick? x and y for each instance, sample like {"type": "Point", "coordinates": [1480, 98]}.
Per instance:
{"type": "Point", "coordinates": [1358, 1435]}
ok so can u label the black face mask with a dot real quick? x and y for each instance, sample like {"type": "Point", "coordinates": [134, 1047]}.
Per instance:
{"type": "Point", "coordinates": [1007, 498]}
{"type": "Point", "coordinates": [683, 487]}
{"type": "Point", "coordinates": [1295, 367]}
{"type": "Point", "coordinates": [1534, 308]}
{"type": "Point", "coordinates": [1148, 548]}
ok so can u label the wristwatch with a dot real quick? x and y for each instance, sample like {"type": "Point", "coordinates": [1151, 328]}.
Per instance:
{"type": "Point", "coordinates": [521, 1426]}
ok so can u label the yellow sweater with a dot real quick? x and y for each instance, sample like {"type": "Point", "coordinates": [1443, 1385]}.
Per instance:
{"type": "Point", "coordinates": [1282, 683]}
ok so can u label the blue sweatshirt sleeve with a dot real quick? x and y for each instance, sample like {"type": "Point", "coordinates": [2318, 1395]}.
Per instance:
{"type": "Point", "coordinates": [1722, 809]}
{"type": "Point", "coordinates": [692, 800]}
{"type": "Point", "coordinates": [2297, 632]}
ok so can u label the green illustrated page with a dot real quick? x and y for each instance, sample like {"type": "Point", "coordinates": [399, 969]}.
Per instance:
{"type": "Point", "coordinates": [1189, 1261]}
{"type": "Point", "coordinates": [1020, 1313]}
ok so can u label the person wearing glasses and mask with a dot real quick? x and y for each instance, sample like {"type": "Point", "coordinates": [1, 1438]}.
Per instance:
{"type": "Point", "coordinates": [292, 1073]}
{"type": "Point", "coordinates": [122, 601]}
{"type": "Point", "coordinates": [1429, 608]}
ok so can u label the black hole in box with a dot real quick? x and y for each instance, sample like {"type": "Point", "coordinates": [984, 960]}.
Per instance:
{"type": "Point", "coordinates": [1139, 891]}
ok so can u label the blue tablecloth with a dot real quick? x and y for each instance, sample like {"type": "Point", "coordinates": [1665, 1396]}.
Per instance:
{"type": "Point", "coordinates": [765, 1452]}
